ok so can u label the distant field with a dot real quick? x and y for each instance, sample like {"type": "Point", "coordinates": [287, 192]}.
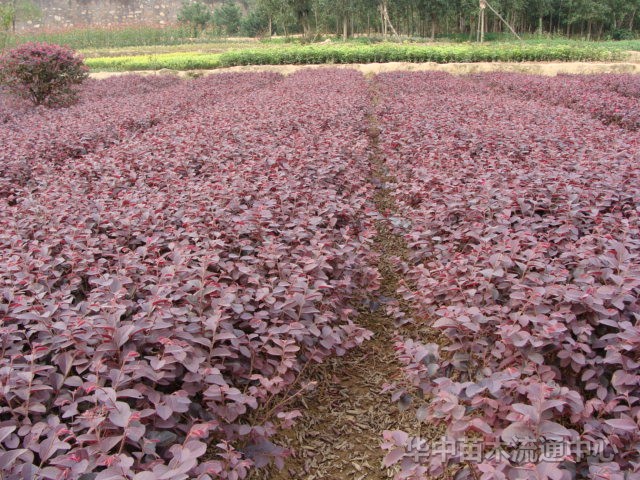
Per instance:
{"type": "Point", "coordinates": [146, 39]}
{"type": "Point", "coordinates": [132, 48]}
{"type": "Point", "coordinates": [338, 53]}
{"type": "Point", "coordinates": [111, 37]}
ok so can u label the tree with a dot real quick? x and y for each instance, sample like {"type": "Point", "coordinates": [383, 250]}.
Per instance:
{"type": "Point", "coordinates": [426, 18]}
{"type": "Point", "coordinates": [13, 11]}
{"type": "Point", "coordinates": [434, 10]}
{"type": "Point", "coordinates": [589, 12]}
{"type": "Point", "coordinates": [302, 10]}
{"type": "Point", "coordinates": [541, 8]}
{"type": "Point", "coordinates": [255, 24]}
{"type": "Point", "coordinates": [196, 15]}
{"type": "Point", "coordinates": [278, 12]}
{"type": "Point", "coordinates": [227, 18]}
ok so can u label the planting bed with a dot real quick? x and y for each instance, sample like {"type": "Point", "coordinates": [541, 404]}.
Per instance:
{"type": "Point", "coordinates": [175, 254]}
{"type": "Point", "coordinates": [170, 260]}
{"type": "Point", "coordinates": [613, 99]}
{"type": "Point", "coordinates": [523, 222]}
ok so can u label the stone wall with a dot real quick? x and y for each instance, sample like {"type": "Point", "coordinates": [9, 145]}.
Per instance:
{"type": "Point", "coordinates": [72, 13]}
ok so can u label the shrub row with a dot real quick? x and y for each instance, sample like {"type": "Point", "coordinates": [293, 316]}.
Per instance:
{"type": "Point", "coordinates": [389, 52]}
{"type": "Point", "coordinates": [352, 53]}
{"type": "Point", "coordinates": [524, 224]}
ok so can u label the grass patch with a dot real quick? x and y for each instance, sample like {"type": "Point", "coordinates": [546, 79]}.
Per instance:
{"type": "Point", "coordinates": [172, 61]}
{"type": "Point", "coordinates": [109, 37]}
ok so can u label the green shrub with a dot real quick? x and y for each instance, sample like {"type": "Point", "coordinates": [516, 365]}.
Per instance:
{"type": "Point", "coordinates": [227, 18]}
{"type": "Point", "coordinates": [196, 15]}
{"type": "Point", "coordinates": [389, 52]}
{"type": "Point", "coordinates": [255, 24]}
{"type": "Point", "coordinates": [622, 34]}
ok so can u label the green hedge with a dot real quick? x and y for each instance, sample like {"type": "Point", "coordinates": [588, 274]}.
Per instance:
{"type": "Point", "coordinates": [315, 54]}
{"type": "Point", "coordinates": [349, 53]}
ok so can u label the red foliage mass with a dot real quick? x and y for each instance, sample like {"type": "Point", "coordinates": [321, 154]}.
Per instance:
{"type": "Point", "coordinates": [171, 258]}
{"type": "Point", "coordinates": [172, 255]}
{"type": "Point", "coordinates": [523, 222]}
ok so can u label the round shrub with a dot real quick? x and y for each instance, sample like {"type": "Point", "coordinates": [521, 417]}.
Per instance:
{"type": "Point", "coordinates": [622, 34]}
{"type": "Point", "coordinates": [43, 73]}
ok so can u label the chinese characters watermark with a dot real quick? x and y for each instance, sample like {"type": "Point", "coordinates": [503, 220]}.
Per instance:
{"type": "Point", "coordinates": [518, 450]}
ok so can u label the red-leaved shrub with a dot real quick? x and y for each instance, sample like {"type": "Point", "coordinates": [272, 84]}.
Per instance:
{"type": "Point", "coordinates": [43, 73]}
{"type": "Point", "coordinates": [524, 227]}
{"type": "Point", "coordinates": [612, 99]}
{"type": "Point", "coordinates": [161, 294]}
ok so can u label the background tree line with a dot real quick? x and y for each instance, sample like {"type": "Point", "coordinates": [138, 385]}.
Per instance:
{"type": "Point", "coordinates": [591, 19]}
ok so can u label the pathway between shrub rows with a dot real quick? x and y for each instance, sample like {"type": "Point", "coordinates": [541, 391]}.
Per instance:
{"type": "Point", "coordinates": [340, 435]}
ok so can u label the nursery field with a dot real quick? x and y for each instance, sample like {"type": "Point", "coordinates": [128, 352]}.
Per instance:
{"type": "Point", "coordinates": [322, 276]}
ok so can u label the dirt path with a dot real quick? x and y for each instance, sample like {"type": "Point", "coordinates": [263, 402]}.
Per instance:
{"type": "Point", "coordinates": [340, 435]}
{"type": "Point", "coordinates": [538, 68]}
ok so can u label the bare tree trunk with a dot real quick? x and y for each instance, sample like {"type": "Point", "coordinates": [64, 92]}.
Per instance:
{"type": "Point", "coordinates": [345, 28]}
{"type": "Point", "coordinates": [386, 20]}
{"type": "Point", "coordinates": [433, 27]}
{"type": "Point", "coordinates": [487, 4]}
{"type": "Point", "coordinates": [633, 16]}
{"type": "Point", "coordinates": [306, 25]}
{"type": "Point", "coordinates": [483, 6]}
